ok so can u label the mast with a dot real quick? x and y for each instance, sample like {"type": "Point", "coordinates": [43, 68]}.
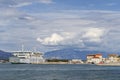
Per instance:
{"type": "Point", "coordinates": [22, 47]}
{"type": "Point", "coordinates": [34, 49]}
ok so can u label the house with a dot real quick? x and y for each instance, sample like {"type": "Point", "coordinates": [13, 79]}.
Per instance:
{"type": "Point", "coordinates": [94, 58]}
{"type": "Point", "coordinates": [112, 58]}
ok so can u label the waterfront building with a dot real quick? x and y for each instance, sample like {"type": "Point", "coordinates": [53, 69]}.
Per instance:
{"type": "Point", "coordinates": [76, 61]}
{"type": "Point", "coordinates": [112, 58]}
{"type": "Point", "coordinates": [94, 58]}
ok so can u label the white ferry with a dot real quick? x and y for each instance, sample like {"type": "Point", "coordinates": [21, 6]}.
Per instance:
{"type": "Point", "coordinates": [22, 57]}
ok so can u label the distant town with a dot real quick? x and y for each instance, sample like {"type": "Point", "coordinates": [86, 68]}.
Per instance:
{"type": "Point", "coordinates": [29, 57]}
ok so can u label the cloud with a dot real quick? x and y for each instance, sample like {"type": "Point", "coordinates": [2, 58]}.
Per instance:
{"type": "Point", "coordinates": [55, 38]}
{"type": "Point", "coordinates": [30, 2]}
{"type": "Point", "coordinates": [111, 4]}
{"type": "Point", "coordinates": [46, 1]}
{"type": "Point", "coordinates": [73, 22]}
{"type": "Point", "coordinates": [11, 17]}
{"type": "Point", "coordinates": [87, 37]}
{"type": "Point", "coordinates": [26, 17]}
{"type": "Point", "coordinates": [22, 3]}
{"type": "Point", "coordinates": [93, 34]}
{"type": "Point", "coordinates": [85, 28]}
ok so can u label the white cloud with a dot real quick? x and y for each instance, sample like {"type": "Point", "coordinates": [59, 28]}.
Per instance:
{"type": "Point", "coordinates": [25, 27]}
{"type": "Point", "coordinates": [111, 4]}
{"type": "Point", "coordinates": [21, 3]}
{"type": "Point", "coordinates": [55, 38]}
{"type": "Point", "coordinates": [46, 1]}
{"type": "Point", "coordinates": [93, 34]}
{"type": "Point", "coordinates": [73, 22]}
{"type": "Point", "coordinates": [26, 17]}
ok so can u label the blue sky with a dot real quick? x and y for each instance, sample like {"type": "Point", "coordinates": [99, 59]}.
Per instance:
{"type": "Point", "coordinates": [76, 4]}
{"type": "Point", "coordinates": [57, 24]}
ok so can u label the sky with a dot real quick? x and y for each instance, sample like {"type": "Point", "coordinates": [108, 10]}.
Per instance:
{"type": "Point", "coordinates": [47, 25]}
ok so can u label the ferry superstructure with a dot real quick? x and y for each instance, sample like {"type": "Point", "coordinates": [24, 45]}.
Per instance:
{"type": "Point", "coordinates": [27, 57]}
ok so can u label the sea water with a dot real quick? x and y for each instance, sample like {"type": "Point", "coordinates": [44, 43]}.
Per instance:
{"type": "Point", "coordinates": [58, 72]}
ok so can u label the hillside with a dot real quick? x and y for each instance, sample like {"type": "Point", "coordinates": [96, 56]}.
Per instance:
{"type": "Point", "coordinates": [71, 54]}
{"type": "Point", "coordinates": [4, 55]}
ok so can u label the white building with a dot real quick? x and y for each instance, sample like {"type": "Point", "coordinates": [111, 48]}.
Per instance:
{"type": "Point", "coordinates": [94, 58]}
{"type": "Point", "coordinates": [76, 61]}
{"type": "Point", "coordinates": [112, 58]}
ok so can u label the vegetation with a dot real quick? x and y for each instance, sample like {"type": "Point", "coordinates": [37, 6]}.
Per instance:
{"type": "Point", "coordinates": [57, 60]}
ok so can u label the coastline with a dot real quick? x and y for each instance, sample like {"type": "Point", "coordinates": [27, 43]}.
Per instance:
{"type": "Point", "coordinates": [109, 64]}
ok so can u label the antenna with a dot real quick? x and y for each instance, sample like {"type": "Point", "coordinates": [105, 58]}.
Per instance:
{"type": "Point", "coordinates": [22, 47]}
{"type": "Point", "coordinates": [35, 49]}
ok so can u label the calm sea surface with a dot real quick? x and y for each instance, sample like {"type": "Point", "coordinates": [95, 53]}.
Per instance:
{"type": "Point", "coordinates": [58, 72]}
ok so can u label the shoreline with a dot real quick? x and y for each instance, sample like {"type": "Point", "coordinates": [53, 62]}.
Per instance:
{"type": "Point", "coordinates": [109, 64]}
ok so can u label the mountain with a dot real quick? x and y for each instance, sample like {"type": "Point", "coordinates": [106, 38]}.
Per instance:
{"type": "Point", "coordinates": [71, 54]}
{"type": "Point", "coordinates": [5, 55]}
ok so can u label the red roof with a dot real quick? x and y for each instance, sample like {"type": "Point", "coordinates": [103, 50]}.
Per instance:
{"type": "Point", "coordinates": [99, 54]}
